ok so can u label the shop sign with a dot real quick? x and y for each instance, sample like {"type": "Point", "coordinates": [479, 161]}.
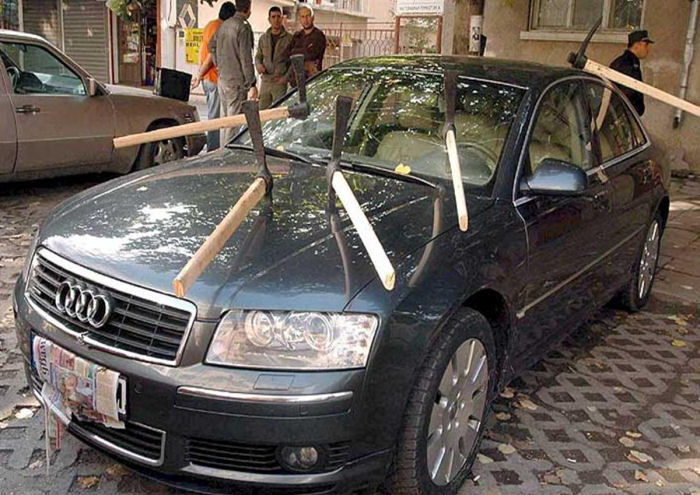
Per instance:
{"type": "Point", "coordinates": [419, 7]}
{"type": "Point", "coordinates": [193, 42]}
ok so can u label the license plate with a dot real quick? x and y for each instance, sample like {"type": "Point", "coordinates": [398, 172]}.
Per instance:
{"type": "Point", "coordinates": [78, 386]}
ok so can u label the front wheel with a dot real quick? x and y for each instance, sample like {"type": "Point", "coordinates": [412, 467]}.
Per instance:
{"type": "Point", "coordinates": [446, 413]}
{"type": "Point", "coordinates": [636, 293]}
{"type": "Point", "coordinates": [159, 152]}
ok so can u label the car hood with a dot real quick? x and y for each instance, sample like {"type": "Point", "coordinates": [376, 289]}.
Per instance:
{"type": "Point", "coordinates": [144, 228]}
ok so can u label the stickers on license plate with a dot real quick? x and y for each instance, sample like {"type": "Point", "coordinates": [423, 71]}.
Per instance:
{"type": "Point", "coordinates": [78, 387]}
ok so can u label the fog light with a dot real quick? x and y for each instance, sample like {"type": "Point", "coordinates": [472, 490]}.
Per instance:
{"type": "Point", "coordinates": [299, 458]}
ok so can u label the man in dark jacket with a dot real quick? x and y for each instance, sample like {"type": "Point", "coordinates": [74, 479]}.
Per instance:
{"type": "Point", "coordinates": [272, 59]}
{"type": "Point", "coordinates": [629, 64]}
{"type": "Point", "coordinates": [309, 41]}
{"type": "Point", "coordinates": [231, 50]}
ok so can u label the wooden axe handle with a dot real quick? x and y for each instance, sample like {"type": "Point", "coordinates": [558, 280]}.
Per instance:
{"type": "Point", "coordinates": [615, 76]}
{"type": "Point", "coordinates": [456, 170]}
{"type": "Point", "coordinates": [197, 128]}
{"type": "Point", "coordinates": [217, 239]}
{"type": "Point", "coordinates": [369, 238]}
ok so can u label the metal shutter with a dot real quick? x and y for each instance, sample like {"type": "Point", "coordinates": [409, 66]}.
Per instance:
{"type": "Point", "coordinates": [41, 17]}
{"type": "Point", "coordinates": [85, 36]}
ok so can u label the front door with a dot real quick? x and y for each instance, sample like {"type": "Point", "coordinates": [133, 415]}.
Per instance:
{"type": "Point", "coordinates": [8, 134]}
{"type": "Point", "coordinates": [58, 124]}
{"type": "Point", "coordinates": [566, 234]}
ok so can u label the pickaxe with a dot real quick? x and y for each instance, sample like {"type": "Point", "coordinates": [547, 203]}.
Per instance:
{"type": "Point", "coordinates": [337, 185]}
{"type": "Point", "coordinates": [297, 111]}
{"type": "Point", "coordinates": [261, 186]}
{"type": "Point", "coordinates": [452, 153]}
{"type": "Point", "coordinates": [579, 60]}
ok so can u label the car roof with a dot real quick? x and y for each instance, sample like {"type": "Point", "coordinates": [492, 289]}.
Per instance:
{"type": "Point", "coordinates": [7, 33]}
{"type": "Point", "coordinates": [513, 72]}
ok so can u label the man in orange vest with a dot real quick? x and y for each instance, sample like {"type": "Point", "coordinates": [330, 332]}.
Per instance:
{"type": "Point", "coordinates": [208, 75]}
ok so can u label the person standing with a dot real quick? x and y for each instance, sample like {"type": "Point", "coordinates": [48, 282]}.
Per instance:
{"type": "Point", "coordinates": [207, 73]}
{"type": "Point", "coordinates": [272, 59]}
{"type": "Point", "coordinates": [309, 41]}
{"type": "Point", "coordinates": [232, 51]}
{"type": "Point", "coordinates": [629, 63]}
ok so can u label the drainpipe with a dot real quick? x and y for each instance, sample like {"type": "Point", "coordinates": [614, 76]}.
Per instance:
{"type": "Point", "coordinates": [687, 58]}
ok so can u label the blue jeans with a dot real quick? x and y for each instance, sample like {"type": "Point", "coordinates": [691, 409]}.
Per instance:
{"type": "Point", "coordinates": [213, 112]}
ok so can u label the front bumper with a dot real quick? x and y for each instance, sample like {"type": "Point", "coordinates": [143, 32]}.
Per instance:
{"type": "Point", "coordinates": [239, 417]}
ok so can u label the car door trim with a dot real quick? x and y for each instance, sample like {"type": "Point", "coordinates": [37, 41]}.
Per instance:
{"type": "Point", "coordinates": [521, 312]}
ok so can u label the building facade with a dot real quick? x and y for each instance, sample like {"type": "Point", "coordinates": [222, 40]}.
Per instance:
{"type": "Point", "coordinates": [547, 30]}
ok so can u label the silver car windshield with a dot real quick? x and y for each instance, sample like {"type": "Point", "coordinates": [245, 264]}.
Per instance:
{"type": "Point", "coordinates": [397, 122]}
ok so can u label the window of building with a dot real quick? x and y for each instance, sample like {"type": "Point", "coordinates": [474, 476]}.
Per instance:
{"type": "Point", "coordinates": [580, 15]}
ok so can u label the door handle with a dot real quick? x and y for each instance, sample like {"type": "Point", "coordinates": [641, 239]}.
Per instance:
{"type": "Point", "coordinates": [28, 109]}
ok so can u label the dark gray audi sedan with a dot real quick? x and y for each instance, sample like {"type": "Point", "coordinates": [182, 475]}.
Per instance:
{"type": "Point", "coordinates": [288, 367]}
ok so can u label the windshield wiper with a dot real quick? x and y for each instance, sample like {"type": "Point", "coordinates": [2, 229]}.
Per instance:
{"type": "Point", "coordinates": [386, 172]}
{"type": "Point", "coordinates": [274, 152]}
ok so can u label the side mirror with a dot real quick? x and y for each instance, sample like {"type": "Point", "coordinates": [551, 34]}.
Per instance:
{"type": "Point", "coordinates": [93, 87]}
{"type": "Point", "coordinates": [555, 178]}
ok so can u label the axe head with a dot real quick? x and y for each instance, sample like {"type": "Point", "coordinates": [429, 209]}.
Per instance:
{"type": "Point", "coordinates": [343, 107]}
{"type": "Point", "coordinates": [300, 110]}
{"type": "Point", "coordinates": [251, 110]}
{"type": "Point", "coordinates": [578, 60]}
{"type": "Point", "coordinates": [450, 100]}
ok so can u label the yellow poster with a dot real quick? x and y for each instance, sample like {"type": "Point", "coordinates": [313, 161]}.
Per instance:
{"type": "Point", "coordinates": [193, 41]}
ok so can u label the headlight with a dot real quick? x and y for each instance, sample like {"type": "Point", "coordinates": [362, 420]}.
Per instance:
{"type": "Point", "coordinates": [269, 339]}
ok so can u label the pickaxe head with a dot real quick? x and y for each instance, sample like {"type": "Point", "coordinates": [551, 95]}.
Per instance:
{"type": "Point", "coordinates": [578, 60]}
{"type": "Point", "coordinates": [251, 109]}
{"type": "Point", "coordinates": [300, 110]}
{"type": "Point", "coordinates": [450, 99]}
{"type": "Point", "coordinates": [343, 106]}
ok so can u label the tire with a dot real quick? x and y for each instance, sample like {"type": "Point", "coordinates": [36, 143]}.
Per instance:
{"type": "Point", "coordinates": [432, 400]}
{"type": "Point", "coordinates": [159, 152]}
{"type": "Point", "coordinates": [635, 294]}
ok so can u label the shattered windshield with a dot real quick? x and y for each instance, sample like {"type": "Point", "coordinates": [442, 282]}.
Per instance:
{"type": "Point", "coordinates": [397, 122]}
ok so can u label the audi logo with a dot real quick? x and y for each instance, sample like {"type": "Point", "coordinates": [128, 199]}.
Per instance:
{"type": "Point", "coordinates": [83, 303]}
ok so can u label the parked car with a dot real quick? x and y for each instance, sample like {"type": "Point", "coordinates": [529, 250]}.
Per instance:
{"type": "Point", "coordinates": [288, 366]}
{"type": "Point", "coordinates": [55, 119]}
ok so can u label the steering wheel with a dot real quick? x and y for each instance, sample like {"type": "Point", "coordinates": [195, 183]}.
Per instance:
{"type": "Point", "coordinates": [14, 74]}
{"type": "Point", "coordinates": [487, 152]}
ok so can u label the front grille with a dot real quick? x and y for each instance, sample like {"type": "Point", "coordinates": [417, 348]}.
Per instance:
{"type": "Point", "coordinates": [138, 326]}
{"type": "Point", "coordinates": [253, 458]}
{"type": "Point", "coordinates": [134, 438]}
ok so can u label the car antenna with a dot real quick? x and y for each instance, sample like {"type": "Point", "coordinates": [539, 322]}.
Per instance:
{"type": "Point", "coordinates": [299, 110]}
{"type": "Point", "coordinates": [451, 143]}
{"type": "Point", "coordinates": [261, 187]}
{"type": "Point", "coordinates": [338, 186]}
{"type": "Point", "coordinates": [579, 60]}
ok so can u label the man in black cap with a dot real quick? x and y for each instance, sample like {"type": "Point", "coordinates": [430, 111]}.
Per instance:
{"type": "Point", "coordinates": [629, 64]}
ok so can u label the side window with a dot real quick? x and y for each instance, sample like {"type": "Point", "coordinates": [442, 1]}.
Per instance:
{"type": "Point", "coordinates": [35, 70]}
{"type": "Point", "coordinates": [618, 131]}
{"type": "Point", "coordinates": [561, 130]}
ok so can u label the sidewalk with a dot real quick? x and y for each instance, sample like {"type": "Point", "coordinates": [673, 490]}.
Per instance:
{"type": "Point", "coordinates": [678, 278]}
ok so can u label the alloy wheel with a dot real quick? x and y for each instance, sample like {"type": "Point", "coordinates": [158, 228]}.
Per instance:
{"type": "Point", "coordinates": [457, 413]}
{"type": "Point", "coordinates": [647, 263]}
{"type": "Point", "coordinates": [164, 152]}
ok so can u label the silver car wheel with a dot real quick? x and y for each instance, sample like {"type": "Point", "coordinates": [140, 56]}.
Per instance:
{"type": "Point", "coordinates": [164, 152]}
{"type": "Point", "coordinates": [647, 263]}
{"type": "Point", "coordinates": [457, 412]}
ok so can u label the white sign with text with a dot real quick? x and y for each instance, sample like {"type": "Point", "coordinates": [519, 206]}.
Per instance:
{"type": "Point", "coordinates": [419, 7]}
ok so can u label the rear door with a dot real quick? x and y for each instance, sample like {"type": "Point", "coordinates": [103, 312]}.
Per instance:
{"type": "Point", "coordinates": [625, 155]}
{"type": "Point", "coordinates": [8, 134]}
{"type": "Point", "coordinates": [566, 235]}
{"type": "Point", "coordinates": [58, 124]}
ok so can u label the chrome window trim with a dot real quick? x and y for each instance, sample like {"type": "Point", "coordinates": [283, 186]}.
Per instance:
{"type": "Point", "coordinates": [120, 286]}
{"type": "Point", "coordinates": [106, 443]}
{"type": "Point", "coordinates": [263, 398]}
{"type": "Point", "coordinates": [521, 312]}
{"type": "Point", "coordinates": [515, 196]}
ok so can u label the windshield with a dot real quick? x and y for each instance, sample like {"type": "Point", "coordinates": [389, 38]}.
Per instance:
{"type": "Point", "coordinates": [397, 122]}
